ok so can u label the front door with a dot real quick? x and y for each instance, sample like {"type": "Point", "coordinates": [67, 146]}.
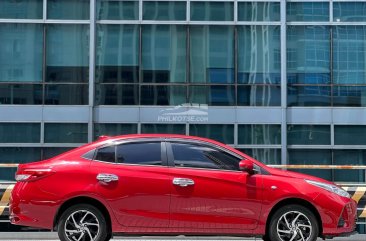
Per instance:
{"type": "Point", "coordinates": [209, 191]}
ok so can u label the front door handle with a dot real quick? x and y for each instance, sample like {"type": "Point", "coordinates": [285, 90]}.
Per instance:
{"type": "Point", "coordinates": [105, 177]}
{"type": "Point", "coordinates": [183, 182]}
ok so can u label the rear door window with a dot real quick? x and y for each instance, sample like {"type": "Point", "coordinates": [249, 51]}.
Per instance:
{"type": "Point", "coordinates": [106, 154]}
{"type": "Point", "coordinates": [140, 153]}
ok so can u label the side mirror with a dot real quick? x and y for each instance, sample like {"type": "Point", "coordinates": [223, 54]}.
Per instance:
{"type": "Point", "coordinates": [246, 166]}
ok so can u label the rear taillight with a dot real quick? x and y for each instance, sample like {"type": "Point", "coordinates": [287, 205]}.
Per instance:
{"type": "Point", "coordinates": [28, 175]}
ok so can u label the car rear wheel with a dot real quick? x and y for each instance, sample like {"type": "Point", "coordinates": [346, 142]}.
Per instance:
{"type": "Point", "coordinates": [293, 223]}
{"type": "Point", "coordinates": [82, 222]}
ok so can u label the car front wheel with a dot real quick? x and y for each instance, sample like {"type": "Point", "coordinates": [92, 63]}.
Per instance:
{"type": "Point", "coordinates": [293, 223]}
{"type": "Point", "coordinates": [82, 222]}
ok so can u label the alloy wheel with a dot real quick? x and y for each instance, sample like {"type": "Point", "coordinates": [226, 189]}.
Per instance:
{"type": "Point", "coordinates": [82, 225]}
{"type": "Point", "coordinates": [294, 226]}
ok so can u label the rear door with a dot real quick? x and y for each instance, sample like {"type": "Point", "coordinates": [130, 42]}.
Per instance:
{"type": "Point", "coordinates": [208, 190]}
{"type": "Point", "coordinates": [139, 193]}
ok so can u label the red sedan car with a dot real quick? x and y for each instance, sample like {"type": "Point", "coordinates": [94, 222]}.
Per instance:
{"type": "Point", "coordinates": [173, 184]}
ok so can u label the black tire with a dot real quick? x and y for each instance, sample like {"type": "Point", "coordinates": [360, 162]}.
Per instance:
{"type": "Point", "coordinates": [82, 219]}
{"type": "Point", "coordinates": [301, 222]}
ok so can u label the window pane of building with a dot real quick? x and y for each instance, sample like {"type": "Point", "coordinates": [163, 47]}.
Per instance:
{"type": "Point", "coordinates": [16, 155]}
{"type": "Point", "coordinates": [265, 155]}
{"type": "Point", "coordinates": [308, 55]}
{"type": "Point", "coordinates": [112, 129]}
{"type": "Point", "coordinates": [49, 152]}
{"type": "Point", "coordinates": [352, 158]}
{"type": "Point", "coordinates": [21, 9]}
{"type": "Point", "coordinates": [20, 133]}
{"type": "Point", "coordinates": [219, 132]}
{"type": "Point", "coordinates": [307, 11]}
{"type": "Point", "coordinates": [164, 128]}
{"type": "Point", "coordinates": [111, 94]}
{"type": "Point", "coordinates": [349, 11]}
{"type": "Point", "coordinates": [163, 53]}
{"type": "Point", "coordinates": [259, 134]}
{"type": "Point", "coordinates": [349, 96]}
{"type": "Point", "coordinates": [212, 54]}
{"type": "Point", "coordinates": [308, 134]}
{"type": "Point", "coordinates": [212, 11]}
{"type": "Point", "coordinates": [311, 157]}
{"type": "Point", "coordinates": [349, 135]}
{"type": "Point", "coordinates": [259, 58]}
{"type": "Point", "coordinates": [259, 95]}
{"type": "Point", "coordinates": [21, 52]}
{"type": "Point", "coordinates": [349, 54]}
{"type": "Point", "coordinates": [117, 10]}
{"type": "Point", "coordinates": [17, 94]}
{"type": "Point", "coordinates": [67, 50]}
{"type": "Point", "coordinates": [159, 10]}
{"type": "Point", "coordinates": [163, 95]}
{"type": "Point", "coordinates": [65, 133]}
{"type": "Point", "coordinates": [217, 95]}
{"type": "Point", "coordinates": [308, 95]}
{"type": "Point", "coordinates": [259, 11]}
{"type": "Point", "coordinates": [68, 9]}
{"type": "Point", "coordinates": [66, 94]}
{"type": "Point", "coordinates": [117, 57]}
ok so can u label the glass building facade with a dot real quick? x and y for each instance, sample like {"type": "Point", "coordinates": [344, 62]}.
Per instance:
{"type": "Point", "coordinates": [284, 81]}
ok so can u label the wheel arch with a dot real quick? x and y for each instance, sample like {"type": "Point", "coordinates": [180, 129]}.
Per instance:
{"type": "Point", "coordinates": [297, 201]}
{"type": "Point", "coordinates": [83, 200]}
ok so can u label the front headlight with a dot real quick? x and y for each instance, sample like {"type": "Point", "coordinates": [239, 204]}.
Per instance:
{"type": "Point", "coordinates": [330, 188]}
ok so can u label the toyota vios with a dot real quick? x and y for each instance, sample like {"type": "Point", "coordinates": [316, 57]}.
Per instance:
{"type": "Point", "coordinates": [173, 185]}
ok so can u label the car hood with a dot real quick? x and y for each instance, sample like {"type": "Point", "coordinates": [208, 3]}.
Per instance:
{"type": "Point", "coordinates": [290, 174]}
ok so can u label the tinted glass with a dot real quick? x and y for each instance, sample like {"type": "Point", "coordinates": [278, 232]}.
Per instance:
{"type": "Point", "coordinates": [159, 10]}
{"type": "Point", "coordinates": [264, 155]}
{"type": "Point", "coordinates": [259, 58]}
{"type": "Point", "coordinates": [164, 128]}
{"type": "Point", "coordinates": [21, 52]}
{"type": "Point", "coordinates": [112, 94]}
{"type": "Point", "coordinates": [217, 95]}
{"type": "Point", "coordinates": [113, 129]}
{"type": "Point", "coordinates": [117, 56]}
{"type": "Point", "coordinates": [308, 135]}
{"type": "Point", "coordinates": [307, 11]}
{"type": "Point", "coordinates": [68, 9]}
{"type": "Point", "coordinates": [311, 157]}
{"type": "Point", "coordinates": [67, 53]}
{"type": "Point", "coordinates": [20, 132]}
{"type": "Point", "coordinates": [66, 94]}
{"type": "Point", "coordinates": [212, 54]}
{"type": "Point", "coordinates": [259, 134]}
{"type": "Point", "coordinates": [308, 96]}
{"type": "Point", "coordinates": [199, 156]}
{"type": "Point", "coordinates": [106, 154]}
{"type": "Point", "coordinates": [258, 11]}
{"type": "Point", "coordinates": [308, 54]}
{"type": "Point", "coordinates": [349, 135]}
{"type": "Point", "coordinates": [163, 53]}
{"type": "Point", "coordinates": [117, 10]}
{"type": "Point", "coordinates": [350, 96]}
{"type": "Point", "coordinates": [349, 11]}
{"type": "Point", "coordinates": [21, 9]}
{"type": "Point", "coordinates": [223, 133]}
{"type": "Point", "coordinates": [212, 11]}
{"type": "Point", "coordinates": [349, 54]}
{"type": "Point", "coordinates": [145, 153]}
{"type": "Point", "coordinates": [352, 158]}
{"type": "Point", "coordinates": [65, 133]}
{"type": "Point", "coordinates": [163, 95]}
{"type": "Point", "coordinates": [17, 94]}
{"type": "Point", "coordinates": [259, 95]}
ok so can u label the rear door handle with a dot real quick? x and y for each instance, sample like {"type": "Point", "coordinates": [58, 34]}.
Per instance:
{"type": "Point", "coordinates": [105, 177]}
{"type": "Point", "coordinates": [183, 182]}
